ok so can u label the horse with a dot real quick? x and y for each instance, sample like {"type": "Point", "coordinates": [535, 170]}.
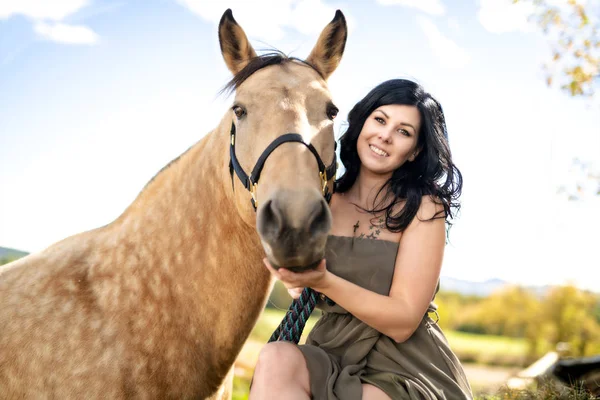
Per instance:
{"type": "Point", "coordinates": [159, 302]}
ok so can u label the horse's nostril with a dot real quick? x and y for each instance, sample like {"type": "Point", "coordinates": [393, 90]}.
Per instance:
{"type": "Point", "coordinates": [270, 219]}
{"type": "Point", "coordinates": [321, 218]}
{"type": "Point", "coordinates": [293, 227]}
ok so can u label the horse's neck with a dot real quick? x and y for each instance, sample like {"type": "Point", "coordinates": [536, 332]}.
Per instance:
{"type": "Point", "coordinates": [187, 183]}
{"type": "Point", "coordinates": [187, 220]}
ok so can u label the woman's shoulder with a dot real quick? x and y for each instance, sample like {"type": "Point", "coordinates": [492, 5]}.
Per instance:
{"type": "Point", "coordinates": [431, 206]}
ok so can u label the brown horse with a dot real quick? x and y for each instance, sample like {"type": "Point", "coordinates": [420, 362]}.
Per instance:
{"type": "Point", "coordinates": [158, 303]}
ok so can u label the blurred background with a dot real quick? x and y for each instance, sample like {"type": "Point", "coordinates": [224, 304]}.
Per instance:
{"type": "Point", "coordinates": [97, 96]}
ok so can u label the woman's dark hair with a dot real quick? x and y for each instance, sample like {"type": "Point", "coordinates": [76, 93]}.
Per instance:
{"type": "Point", "coordinates": [430, 173]}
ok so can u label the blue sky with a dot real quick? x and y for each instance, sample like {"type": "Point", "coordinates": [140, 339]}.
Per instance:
{"type": "Point", "coordinates": [97, 96]}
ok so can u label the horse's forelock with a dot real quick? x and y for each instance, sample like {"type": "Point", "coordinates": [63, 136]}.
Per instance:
{"type": "Point", "coordinates": [265, 60]}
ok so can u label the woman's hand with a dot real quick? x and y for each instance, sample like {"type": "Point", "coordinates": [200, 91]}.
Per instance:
{"type": "Point", "coordinates": [295, 282]}
{"type": "Point", "coordinates": [295, 292]}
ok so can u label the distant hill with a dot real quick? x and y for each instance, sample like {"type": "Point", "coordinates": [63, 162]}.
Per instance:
{"type": "Point", "coordinates": [11, 254]}
{"type": "Point", "coordinates": [470, 288]}
{"type": "Point", "coordinates": [485, 288]}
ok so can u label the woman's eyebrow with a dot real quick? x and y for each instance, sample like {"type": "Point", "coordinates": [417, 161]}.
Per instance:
{"type": "Point", "coordinates": [383, 112]}
{"type": "Point", "coordinates": [407, 124]}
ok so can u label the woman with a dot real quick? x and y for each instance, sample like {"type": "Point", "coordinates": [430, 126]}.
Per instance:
{"type": "Point", "coordinates": [382, 264]}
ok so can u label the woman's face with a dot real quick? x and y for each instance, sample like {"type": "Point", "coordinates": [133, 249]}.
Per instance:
{"type": "Point", "coordinates": [389, 138]}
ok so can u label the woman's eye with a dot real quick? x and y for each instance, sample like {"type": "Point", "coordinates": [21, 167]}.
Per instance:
{"type": "Point", "coordinates": [332, 112]}
{"type": "Point", "coordinates": [404, 132]}
{"type": "Point", "coordinates": [238, 111]}
{"type": "Point", "coordinates": [380, 120]}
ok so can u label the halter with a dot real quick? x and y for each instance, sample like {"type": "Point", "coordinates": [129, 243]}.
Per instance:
{"type": "Point", "coordinates": [251, 182]}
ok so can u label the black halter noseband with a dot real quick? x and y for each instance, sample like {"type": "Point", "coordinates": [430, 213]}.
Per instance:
{"type": "Point", "coordinates": [251, 182]}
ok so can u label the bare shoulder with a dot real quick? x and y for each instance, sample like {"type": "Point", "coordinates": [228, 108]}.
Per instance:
{"type": "Point", "coordinates": [431, 207]}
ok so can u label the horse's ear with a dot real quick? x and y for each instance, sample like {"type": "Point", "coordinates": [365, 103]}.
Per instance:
{"type": "Point", "coordinates": [235, 47]}
{"type": "Point", "coordinates": [327, 53]}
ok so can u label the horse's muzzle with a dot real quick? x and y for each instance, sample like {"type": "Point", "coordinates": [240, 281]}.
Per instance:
{"type": "Point", "coordinates": [293, 227]}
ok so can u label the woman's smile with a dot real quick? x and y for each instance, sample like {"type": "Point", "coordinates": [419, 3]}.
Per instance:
{"type": "Point", "coordinates": [378, 151]}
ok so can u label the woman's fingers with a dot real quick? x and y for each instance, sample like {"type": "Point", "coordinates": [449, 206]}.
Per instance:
{"type": "Point", "coordinates": [295, 292]}
{"type": "Point", "coordinates": [322, 265]}
{"type": "Point", "coordinates": [273, 271]}
{"type": "Point", "coordinates": [298, 279]}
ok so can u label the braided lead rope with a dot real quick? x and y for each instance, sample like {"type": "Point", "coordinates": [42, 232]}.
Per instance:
{"type": "Point", "coordinates": [293, 323]}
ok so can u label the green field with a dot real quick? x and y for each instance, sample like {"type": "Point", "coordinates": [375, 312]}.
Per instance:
{"type": "Point", "coordinates": [487, 349]}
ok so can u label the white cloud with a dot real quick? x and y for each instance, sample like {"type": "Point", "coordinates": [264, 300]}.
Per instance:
{"type": "Point", "coordinates": [433, 7]}
{"type": "Point", "coordinates": [454, 24]}
{"type": "Point", "coordinates": [305, 16]}
{"type": "Point", "coordinates": [47, 16]}
{"type": "Point", "coordinates": [448, 52]}
{"type": "Point", "coordinates": [310, 16]}
{"type": "Point", "coordinates": [70, 34]}
{"type": "Point", "coordinates": [500, 16]}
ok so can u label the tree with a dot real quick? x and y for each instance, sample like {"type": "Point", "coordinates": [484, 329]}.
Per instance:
{"type": "Point", "coordinates": [570, 311]}
{"type": "Point", "coordinates": [573, 27]}
{"type": "Point", "coordinates": [584, 183]}
{"type": "Point", "coordinates": [506, 312]}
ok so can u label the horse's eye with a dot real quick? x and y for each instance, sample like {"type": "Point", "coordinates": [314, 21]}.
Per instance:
{"type": "Point", "coordinates": [239, 111]}
{"type": "Point", "coordinates": [332, 111]}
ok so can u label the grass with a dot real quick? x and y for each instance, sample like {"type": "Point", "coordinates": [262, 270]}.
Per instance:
{"type": "Point", "coordinates": [481, 343]}
{"type": "Point", "coordinates": [546, 391]}
{"type": "Point", "coordinates": [488, 349]}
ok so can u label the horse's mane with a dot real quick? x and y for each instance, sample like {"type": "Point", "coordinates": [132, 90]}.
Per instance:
{"type": "Point", "coordinates": [275, 57]}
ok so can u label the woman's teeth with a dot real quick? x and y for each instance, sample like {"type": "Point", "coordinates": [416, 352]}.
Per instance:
{"type": "Point", "coordinates": [378, 151]}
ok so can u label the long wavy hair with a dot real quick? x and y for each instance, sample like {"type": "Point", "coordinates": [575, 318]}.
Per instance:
{"type": "Point", "coordinates": [431, 173]}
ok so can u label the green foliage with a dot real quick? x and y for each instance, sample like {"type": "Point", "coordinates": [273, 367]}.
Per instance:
{"type": "Point", "coordinates": [564, 314]}
{"type": "Point", "coordinates": [453, 306]}
{"type": "Point", "coordinates": [546, 391]}
{"type": "Point", "coordinates": [507, 312]}
{"type": "Point", "coordinates": [573, 28]}
{"type": "Point", "coordinates": [596, 310]}
{"type": "Point", "coordinates": [567, 316]}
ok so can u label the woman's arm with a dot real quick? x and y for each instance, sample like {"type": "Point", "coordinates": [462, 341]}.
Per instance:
{"type": "Point", "coordinates": [416, 274]}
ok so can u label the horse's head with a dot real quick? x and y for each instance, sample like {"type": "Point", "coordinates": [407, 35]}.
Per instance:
{"type": "Point", "coordinates": [276, 95]}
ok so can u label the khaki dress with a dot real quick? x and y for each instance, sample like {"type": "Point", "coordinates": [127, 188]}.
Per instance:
{"type": "Point", "coordinates": [342, 352]}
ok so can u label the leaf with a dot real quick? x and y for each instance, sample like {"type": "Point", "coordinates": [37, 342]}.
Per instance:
{"type": "Point", "coordinates": [574, 37]}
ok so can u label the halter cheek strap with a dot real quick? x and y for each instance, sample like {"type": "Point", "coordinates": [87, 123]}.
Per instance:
{"type": "Point", "coordinates": [251, 182]}
{"type": "Point", "coordinates": [293, 323]}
